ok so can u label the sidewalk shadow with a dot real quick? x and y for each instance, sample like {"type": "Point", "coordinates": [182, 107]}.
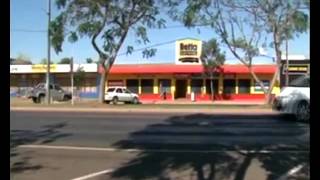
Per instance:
{"type": "Point", "coordinates": [47, 134]}
{"type": "Point", "coordinates": [216, 152]}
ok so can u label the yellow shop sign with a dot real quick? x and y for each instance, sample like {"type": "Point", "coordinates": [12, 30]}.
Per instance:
{"type": "Point", "coordinates": [39, 68]}
{"type": "Point", "coordinates": [188, 51]}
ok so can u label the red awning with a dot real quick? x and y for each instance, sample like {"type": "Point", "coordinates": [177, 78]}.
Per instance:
{"type": "Point", "coordinates": [174, 69]}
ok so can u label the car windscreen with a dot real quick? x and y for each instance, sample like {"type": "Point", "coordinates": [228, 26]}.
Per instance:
{"type": "Point", "coordinates": [110, 90]}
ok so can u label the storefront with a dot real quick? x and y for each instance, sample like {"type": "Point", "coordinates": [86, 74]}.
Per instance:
{"type": "Point", "coordinates": [152, 82]}
{"type": "Point", "coordinates": [180, 80]}
{"type": "Point", "coordinates": [298, 65]}
{"type": "Point", "coordinates": [24, 77]}
{"type": "Point", "coordinates": [186, 77]}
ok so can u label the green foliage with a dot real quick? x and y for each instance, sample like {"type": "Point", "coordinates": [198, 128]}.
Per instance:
{"type": "Point", "coordinates": [89, 60]}
{"type": "Point", "coordinates": [21, 59]}
{"type": "Point", "coordinates": [65, 60]}
{"type": "Point", "coordinates": [211, 56]}
{"type": "Point", "coordinates": [79, 77]}
{"type": "Point", "coordinates": [147, 53]}
{"type": "Point", "coordinates": [107, 22]}
{"type": "Point", "coordinates": [129, 50]}
{"type": "Point", "coordinates": [20, 62]}
{"type": "Point", "coordinates": [44, 61]}
{"type": "Point", "coordinates": [242, 24]}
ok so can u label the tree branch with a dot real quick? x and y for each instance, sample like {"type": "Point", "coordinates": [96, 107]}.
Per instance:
{"type": "Point", "coordinates": [95, 35]}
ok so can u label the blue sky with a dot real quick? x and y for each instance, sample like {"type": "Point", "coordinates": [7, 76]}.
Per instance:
{"type": "Point", "coordinates": [31, 15]}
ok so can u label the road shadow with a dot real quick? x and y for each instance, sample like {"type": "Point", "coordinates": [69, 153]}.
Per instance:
{"type": "Point", "coordinates": [207, 147]}
{"type": "Point", "coordinates": [47, 134]}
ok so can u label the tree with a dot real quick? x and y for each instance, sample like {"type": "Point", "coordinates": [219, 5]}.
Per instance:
{"type": "Point", "coordinates": [242, 24]}
{"type": "Point", "coordinates": [21, 59]}
{"type": "Point", "coordinates": [89, 60]}
{"type": "Point", "coordinates": [65, 60]}
{"type": "Point", "coordinates": [212, 59]}
{"type": "Point", "coordinates": [45, 61]}
{"type": "Point", "coordinates": [109, 21]}
{"type": "Point", "coordinates": [79, 77]}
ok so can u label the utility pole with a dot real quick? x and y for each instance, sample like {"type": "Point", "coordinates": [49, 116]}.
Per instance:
{"type": "Point", "coordinates": [49, 55]}
{"type": "Point", "coordinates": [71, 71]}
{"type": "Point", "coordinates": [287, 62]}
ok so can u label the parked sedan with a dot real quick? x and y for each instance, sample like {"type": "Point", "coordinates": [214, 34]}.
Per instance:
{"type": "Point", "coordinates": [295, 99]}
{"type": "Point", "coordinates": [121, 94]}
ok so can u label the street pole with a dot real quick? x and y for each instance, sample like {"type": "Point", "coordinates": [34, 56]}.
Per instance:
{"type": "Point", "coordinates": [287, 62]}
{"type": "Point", "coordinates": [49, 55]}
{"type": "Point", "coordinates": [71, 71]}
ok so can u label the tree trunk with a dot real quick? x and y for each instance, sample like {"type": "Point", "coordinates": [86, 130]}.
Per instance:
{"type": "Point", "coordinates": [102, 86]}
{"type": "Point", "coordinates": [211, 87]}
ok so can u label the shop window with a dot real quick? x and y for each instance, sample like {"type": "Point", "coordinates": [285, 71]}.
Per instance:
{"type": "Point", "coordinates": [215, 84]}
{"type": "Point", "coordinates": [258, 88]}
{"type": "Point", "coordinates": [133, 85]}
{"type": "Point", "coordinates": [244, 86]}
{"type": "Point", "coordinates": [164, 85]}
{"type": "Point", "coordinates": [147, 86]}
{"type": "Point", "coordinates": [196, 85]}
{"type": "Point", "coordinates": [229, 86]}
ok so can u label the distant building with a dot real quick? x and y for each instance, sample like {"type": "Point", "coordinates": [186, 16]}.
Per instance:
{"type": "Point", "coordinates": [298, 65]}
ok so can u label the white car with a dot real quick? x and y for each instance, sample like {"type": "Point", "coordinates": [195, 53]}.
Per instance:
{"type": "Point", "coordinates": [120, 94]}
{"type": "Point", "coordinates": [295, 99]}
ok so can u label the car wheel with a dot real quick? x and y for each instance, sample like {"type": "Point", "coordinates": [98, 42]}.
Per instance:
{"type": "Point", "coordinates": [35, 100]}
{"type": "Point", "coordinates": [135, 100]}
{"type": "Point", "coordinates": [115, 100]}
{"type": "Point", "coordinates": [66, 98]}
{"type": "Point", "coordinates": [41, 99]}
{"type": "Point", "coordinates": [303, 111]}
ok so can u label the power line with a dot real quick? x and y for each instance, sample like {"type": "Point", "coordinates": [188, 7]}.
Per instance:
{"type": "Point", "coordinates": [155, 45]}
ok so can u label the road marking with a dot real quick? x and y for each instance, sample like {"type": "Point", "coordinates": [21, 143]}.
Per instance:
{"type": "Point", "coordinates": [155, 150]}
{"type": "Point", "coordinates": [94, 174]}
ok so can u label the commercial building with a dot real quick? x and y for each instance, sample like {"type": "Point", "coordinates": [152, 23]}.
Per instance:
{"type": "Point", "coordinates": [179, 80]}
{"type": "Point", "coordinates": [298, 65]}
{"type": "Point", "coordinates": [24, 77]}
{"type": "Point", "coordinates": [152, 81]}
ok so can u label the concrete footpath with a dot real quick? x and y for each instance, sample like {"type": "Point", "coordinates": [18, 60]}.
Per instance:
{"type": "Point", "coordinates": [151, 110]}
{"type": "Point", "coordinates": [86, 105]}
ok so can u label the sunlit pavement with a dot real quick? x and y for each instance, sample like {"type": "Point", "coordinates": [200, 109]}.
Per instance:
{"type": "Point", "coordinates": [53, 145]}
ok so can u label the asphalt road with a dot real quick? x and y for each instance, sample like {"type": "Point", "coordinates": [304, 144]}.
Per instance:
{"type": "Point", "coordinates": [67, 145]}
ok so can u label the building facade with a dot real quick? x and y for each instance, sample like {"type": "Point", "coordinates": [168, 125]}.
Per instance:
{"type": "Point", "coordinates": [298, 65]}
{"type": "Point", "coordinates": [153, 81]}
{"type": "Point", "coordinates": [183, 79]}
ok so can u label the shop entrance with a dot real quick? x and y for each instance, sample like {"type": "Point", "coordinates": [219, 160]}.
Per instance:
{"type": "Point", "coordinates": [181, 89]}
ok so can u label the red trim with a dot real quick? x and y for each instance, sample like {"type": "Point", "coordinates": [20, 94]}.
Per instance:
{"type": "Point", "coordinates": [173, 68]}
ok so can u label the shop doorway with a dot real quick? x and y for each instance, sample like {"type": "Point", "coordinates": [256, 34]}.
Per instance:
{"type": "Point", "coordinates": [181, 89]}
